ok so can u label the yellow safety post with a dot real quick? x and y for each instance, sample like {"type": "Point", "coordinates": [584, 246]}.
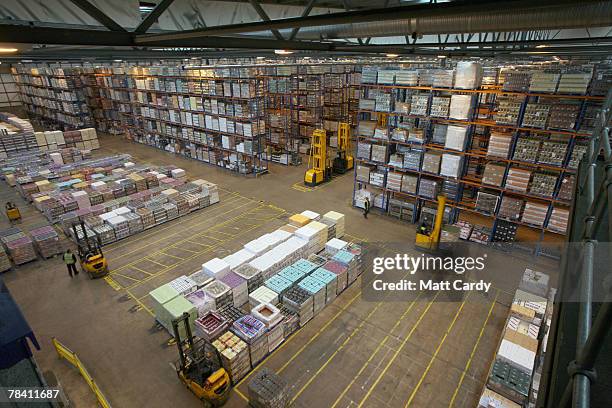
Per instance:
{"type": "Point", "coordinates": [72, 358]}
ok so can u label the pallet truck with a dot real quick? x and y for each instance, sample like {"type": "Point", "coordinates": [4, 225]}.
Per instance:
{"type": "Point", "coordinates": [319, 170]}
{"type": "Point", "coordinates": [429, 240]}
{"type": "Point", "coordinates": [199, 366]}
{"type": "Point", "coordinates": [343, 162]}
{"type": "Point", "coordinates": [90, 253]}
{"type": "Point", "coordinates": [12, 212]}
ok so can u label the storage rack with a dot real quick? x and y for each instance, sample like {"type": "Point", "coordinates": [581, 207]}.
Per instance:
{"type": "Point", "coordinates": [105, 110]}
{"type": "Point", "coordinates": [54, 97]}
{"type": "Point", "coordinates": [474, 155]}
{"type": "Point", "coordinates": [215, 115]}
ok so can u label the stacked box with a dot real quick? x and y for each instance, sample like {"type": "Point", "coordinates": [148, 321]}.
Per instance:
{"type": "Point", "coordinates": [201, 300]}
{"type": "Point", "coordinates": [566, 189]}
{"type": "Point", "coordinates": [47, 241]}
{"type": "Point", "coordinates": [428, 188]}
{"type": "Point", "coordinates": [120, 225]}
{"type": "Point", "coordinates": [469, 75]}
{"type": "Point", "coordinates": [331, 283]}
{"type": "Point", "coordinates": [558, 220]}
{"type": "Point", "coordinates": [544, 82]}
{"type": "Point", "coordinates": [451, 165]}
{"type": "Point", "coordinates": [363, 150]}
{"type": "Point", "coordinates": [499, 144]}
{"type": "Point", "coordinates": [409, 184]}
{"type": "Point", "coordinates": [394, 181]}
{"type": "Point", "coordinates": [239, 287]}
{"type": "Point", "coordinates": [253, 332]}
{"type": "Point", "coordinates": [526, 149]}
{"type": "Point", "coordinates": [351, 261]}
{"type": "Point", "coordinates": [105, 233]}
{"type": "Point", "coordinates": [341, 272]}
{"type": "Point", "coordinates": [290, 322]}
{"type": "Point", "coordinates": [174, 309]}
{"type": "Point", "coordinates": [19, 247]}
{"type": "Point", "coordinates": [146, 217]}
{"type": "Point", "coordinates": [253, 276]}
{"type": "Point", "coordinates": [510, 208]}
{"type": "Point", "coordinates": [552, 153]}
{"type": "Point", "coordinates": [443, 78]}
{"type": "Point", "coordinates": [412, 159]}
{"type": "Point", "coordinates": [534, 213]}
{"type": "Point", "coordinates": [439, 133]}
{"type": "Point", "coordinates": [536, 115]}
{"type": "Point", "coordinates": [268, 390]}
{"type": "Point", "coordinates": [5, 262]}
{"type": "Point", "coordinates": [316, 289]}
{"type": "Point", "coordinates": [494, 174]}
{"type": "Point", "coordinates": [379, 153]}
{"type": "Point", "coordinates": [235, 356]}
{"type": "Point", "coordinates": [455, 137]}
{"type": "Point", "coordinates": [440, 106]}
{"type": "Point", "coordinates": [578, 152]}
{"type": "Point", "coordinates": [216, 268]}
{"type": "Point", "coordinates": [419, 104]}
{"type": "Point", "coordinates": [516, 81]}
{"type": "Point", "coordinates": [543, 184]}
{"type": "Point", "coordinates": [263, 294]}
{"type": "Point", "coordinates": [564, 116]}
{"type": "Point", "coordinates": [301, 302]}
{"type": "Point", "coordinates": [210, 326]}
{"type": "Point", "coordinates": [518, 179]}
{"type": "Point", "coordinates": [508, 110]}
{"type": "Point", "coordinates": [183, 285]}
{"type": "Point", "coordinates": [431, 162]}
{"type": "Point", "coordinates": [231, 313]}
{"type": "Point", "coordinates": [220, 292]}
{"type": "Point", "coordinates": [278, 284]}
{"type": "Point", "coordinates": [505, 231]}
{"type": "Point", "coordinates": [486, 202]}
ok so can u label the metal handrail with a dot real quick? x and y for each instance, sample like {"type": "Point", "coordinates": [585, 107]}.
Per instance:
{"type": "Point", "coordinates": [591, 335]}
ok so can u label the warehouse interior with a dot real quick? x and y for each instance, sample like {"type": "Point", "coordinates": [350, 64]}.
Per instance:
{"type": "Point", "coordinates": [226, 176]}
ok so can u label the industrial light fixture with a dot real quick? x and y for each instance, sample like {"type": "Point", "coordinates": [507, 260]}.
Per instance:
{"type": "Point", "coordinates": [441, 56]}
{"type": "Point", "coordinates": [283, 52]}
{"type": "Point", "coordinates": [260, 58]}
{"type": "Point", "coordinates": [541, 46]}
{"type": "Point", "coordinates": [118, 60]}
{"type": "Point", "coordinates": [8, 50]}
{"type": "Point", "coordinates": [392, 55]}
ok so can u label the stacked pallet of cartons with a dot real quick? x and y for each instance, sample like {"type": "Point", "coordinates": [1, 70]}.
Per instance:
{"type": "Point", "coordinates": [47, 241]}
{"type": "Point", "coordinates": [271, 316]}
{"type": "Point", "coordinates": [234, 355]}
{"type": "Point", "coordinates": [301, 302]}
{"type": "Point", "coordinates": [220, 292]}
{"type": "Point", "coordinates": [253, 332]}
{"type": "Point", "coordinates": [238, 286]}
{"type": "Point", "coordinates": [210, 325]}
{"type": "Point", "coordinates": [317, 289]}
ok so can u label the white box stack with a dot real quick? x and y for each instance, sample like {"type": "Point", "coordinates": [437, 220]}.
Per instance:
{"type": "Point", "coordinates": [216, 268]}
{"type": "Point", "coordinates": [315, 233]}
{"type": "Point", "coordinates": [220, 292]}
{"type": "Point", "coordinates": [261, 295]}
{"type": "Point", "coordinates": [271, 316]}
{"type": "Point", "coordinates": [238, 258]}
{"type": "Point", "coordinates": [334, 245]}
{"type": "Point", "coordinates": [338, 219]}
{"type": "Point", "coordinates": [451, 165]}
{"type": "Point", "coordinates": [183, 285]}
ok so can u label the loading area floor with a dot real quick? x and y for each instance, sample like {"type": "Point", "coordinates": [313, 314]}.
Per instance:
{"type": "Point", "coordinates": [427, 353]}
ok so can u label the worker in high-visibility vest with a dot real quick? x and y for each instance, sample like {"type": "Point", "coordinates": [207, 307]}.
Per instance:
{"type": "Point", "coordinates": [366, 207]}
{"type": "Point", "coordinates": [70, 261]}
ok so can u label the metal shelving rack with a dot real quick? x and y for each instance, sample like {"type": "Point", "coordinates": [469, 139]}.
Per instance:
{"type": "Point", "coordinates": [105, 110]}
{"type": "Point", "coordinates": [54, 97]}
{"type": "Point", "coordinates": [480, 120]}
{"type": "Point", "coordinates": [215, 115]}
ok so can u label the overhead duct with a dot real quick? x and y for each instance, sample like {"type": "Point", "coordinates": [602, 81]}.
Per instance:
{"type": "Point", "coordinates": [574, 15]}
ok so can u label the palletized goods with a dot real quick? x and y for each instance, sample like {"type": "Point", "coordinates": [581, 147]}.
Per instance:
{"type": "Point", "coordinates": [263, 294]}
{"type": "Point", "coordinates": [253, 332]}
{"type": "Point", "coordinates": [210, 325]}
{"type": "Point", "coordinates": [220, 292]}
{"type": "Point", "coordinates": [253, 276]}
{"type": "Point", "coordinates": [47, 241]}
{"type": "Point", "coordinates": [234, 355]}
{"type": "Point", "coordinates": [301, 302]}
{"type": "Point", "coordinates": [268, 390]}
{"type": "Point", "coordinates": [239, 287]}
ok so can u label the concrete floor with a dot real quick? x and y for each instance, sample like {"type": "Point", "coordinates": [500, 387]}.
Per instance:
{"type": "Point", "coordinates": [424, 353]}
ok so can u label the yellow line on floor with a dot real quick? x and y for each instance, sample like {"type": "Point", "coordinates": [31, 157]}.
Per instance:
{"type": "Point", "coordinates": [399, 349]}
{"type": "Point", "coordinates": [142, 305]}
{"type": "Point", "coordinates": [344, 343]}
{"type": "Point", "coordinates": [207, 219]}
{"type": "Point", "coordinates": [151, 260]}
{"type": "Point", "coordinates": [112, 283]}
{"type": "Point", "coordinates": [170, 255]}
{"type": "Point", "coordinates": [469, 362]}
{"type": "Point", "coordinates": [157, 230]}
{"type": "Point", "coordinates": [126, 277]}
{"type": "Point", "coordinates": [261, 364]}
{"type": "Point", "coordinates": [141, 270]}
{"type": "Point", "coordinates": [435, 354]}
{"type": "Point", "coordinates": [191, 237]}
{"type": "Point", "coordinates": [380, 345]}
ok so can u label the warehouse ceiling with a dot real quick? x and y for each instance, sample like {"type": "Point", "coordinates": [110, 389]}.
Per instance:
{"type": "Point", "coordinates": [129, 29]}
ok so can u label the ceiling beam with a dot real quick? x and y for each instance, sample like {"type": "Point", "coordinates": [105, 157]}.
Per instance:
{"type": "Point", "coordinates": [305, 13]}
{"type": "Point", "coordinates": [264, 16]}
{"type": "Point", "coordinates": [361, 16]}
{"type": "Point", "coordinates": [98, 15]}
{"type": "Point", "coordinates": [152, 17]}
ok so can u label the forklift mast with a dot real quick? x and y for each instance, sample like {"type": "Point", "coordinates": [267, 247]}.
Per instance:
{"type": "Point", "coordinates": [318, 151]}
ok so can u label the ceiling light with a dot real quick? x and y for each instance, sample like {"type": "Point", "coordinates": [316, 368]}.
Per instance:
{"type": "Point", "coordinates": [260, 58]}
{"type": "Point", "coordinates": [8, 50]}
{"type": "Point", "coordinates": [441, 56]}
{"type": "Point", "coordinates": [118, 60]}
{"type": "Point", "coordinates": [283, 52]}
{"type": "Point", "coordinates": [306, 57]}
{"type": "Point", "coordinates": [541, 46]}
{"type": "Point", "coordinates": [392, 55]}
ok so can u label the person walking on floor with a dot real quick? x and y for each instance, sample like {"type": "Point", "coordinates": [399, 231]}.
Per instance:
{"type": "Point", "coordinates": [366, 208]}
{"type": "Point", "coordinates": [70, 261]}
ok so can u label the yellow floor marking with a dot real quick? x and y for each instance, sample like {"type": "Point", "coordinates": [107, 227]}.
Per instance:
{"type": "Point", "coordinates": [141, 270]}
{"type": "Point", "coordinates": [469, 362]}
{"type": "Point", "coordinates": [207, 219]}
{"type": "Point", "coordinates": [151, 260]}
{"type": "Point", "coordinates": [435, 354]}
{"type": "Point", "coordinates": [112, 283]}
{"type": "Point", "coordinates": [241, 394]}
{"type": "Point", "coordinates": [384, 371]}
{"type": "Point", "coordinates": [142, 305]}
{"type": "Point", "coordinates": [170, 255]}
{"type": "Point", "coordinates": [261, 364]}
{"type": "Point", "coordinates": [157, 230]}
{"type": "Point", "coordinates": [344, 343]}
{"type": "Point", "coordinates": [127, 277]}
{"type": "Point", "coordinates": [380, 345]}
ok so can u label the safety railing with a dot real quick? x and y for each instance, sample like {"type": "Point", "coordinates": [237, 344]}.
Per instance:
{"type": "Point", "coordinates": [72, 358]}
{"type": "Point", "coordinates": [591, 329]}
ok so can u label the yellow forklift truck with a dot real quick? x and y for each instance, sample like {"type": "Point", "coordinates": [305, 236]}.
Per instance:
{"type": "Point", "coordinates": [428, 240]}
{"type": "Point", "coordinates": [319, 169]}
{"type": "Point", "coordinates": [12, 212]}
{"type": "Point", "coordinates": [90, 253]}
{"type": "Point", "coordinates": [199, 367]}
{"type": "Point", "coordinates": [343, 162]}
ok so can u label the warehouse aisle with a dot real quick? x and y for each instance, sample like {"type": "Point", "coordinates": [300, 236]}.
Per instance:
{"type": "Point", "coordinates": [354, 352]}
